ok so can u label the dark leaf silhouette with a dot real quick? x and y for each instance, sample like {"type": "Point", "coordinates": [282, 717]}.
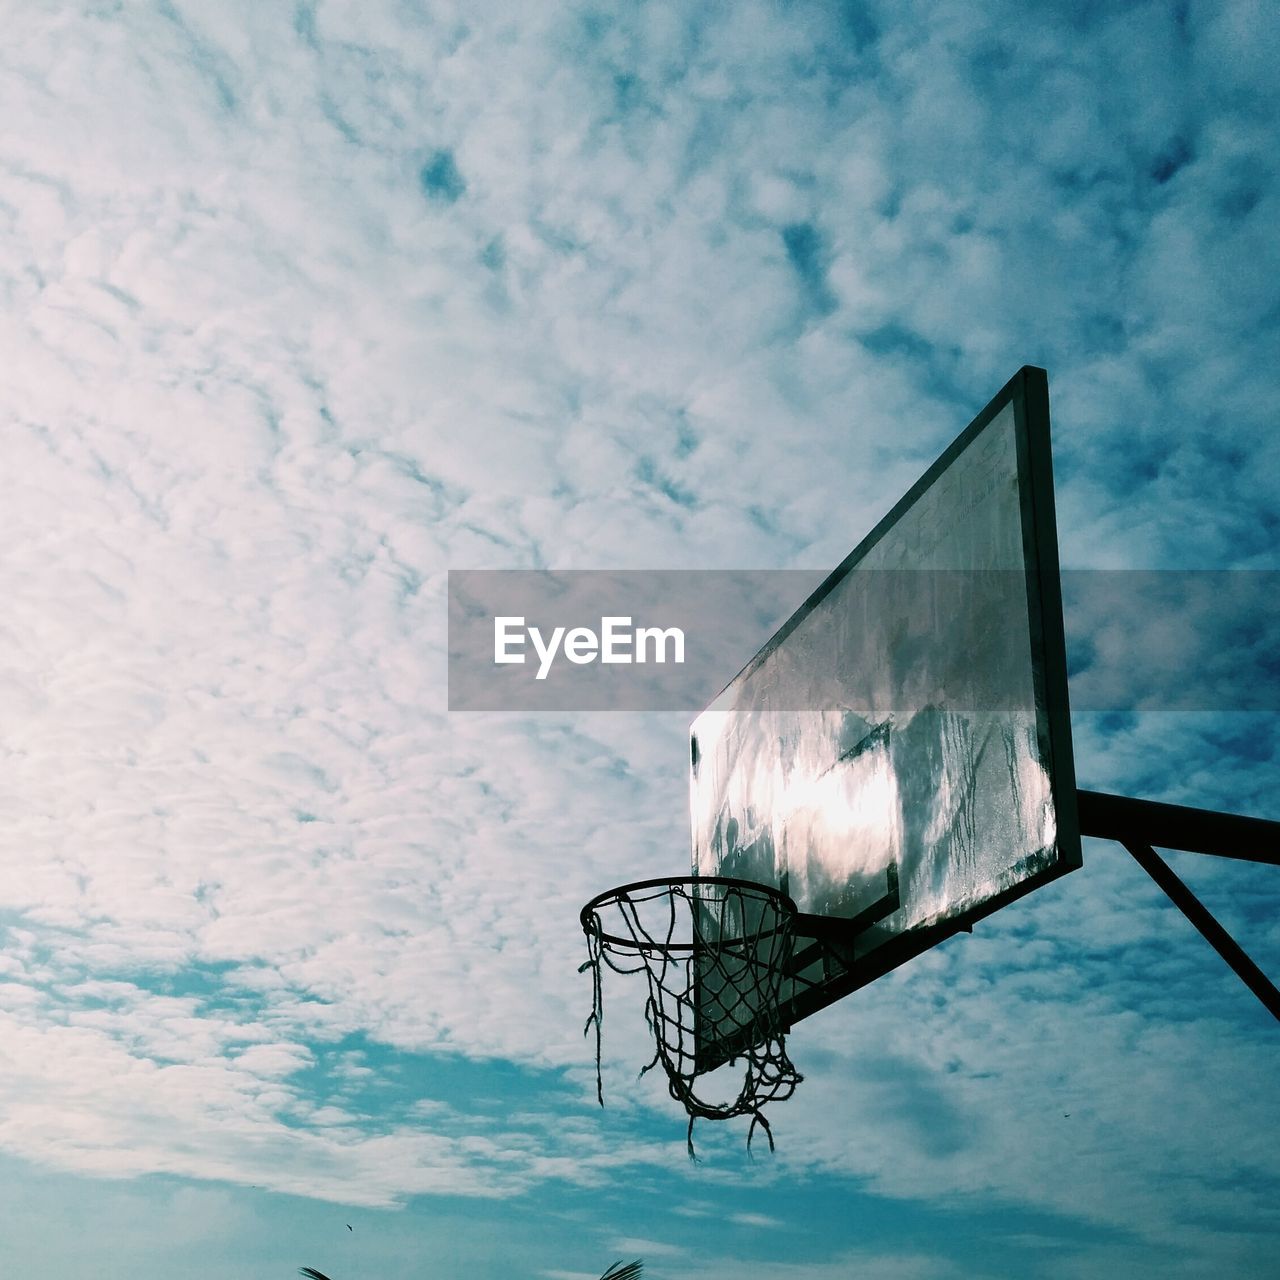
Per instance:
{"type": "Point", "coordinates": [619, 1271]}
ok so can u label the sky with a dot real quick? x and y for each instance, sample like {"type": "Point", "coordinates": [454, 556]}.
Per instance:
{"type": "Point", "coordinates": [306, 305]}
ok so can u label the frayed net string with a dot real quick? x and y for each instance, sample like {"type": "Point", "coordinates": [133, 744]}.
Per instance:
{"type": "Point", "coordinates": [739, 976]}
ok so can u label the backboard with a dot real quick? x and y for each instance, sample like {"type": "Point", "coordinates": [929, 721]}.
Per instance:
{"type": "Point", "coordinates": [897, 758]}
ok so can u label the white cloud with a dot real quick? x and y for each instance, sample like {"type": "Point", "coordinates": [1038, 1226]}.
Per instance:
{"type": "Point", "coordinates": [261, 391]}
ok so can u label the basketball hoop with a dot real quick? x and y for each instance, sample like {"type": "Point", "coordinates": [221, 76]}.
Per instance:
{"type": "Point", "coordinates": [714, 950]}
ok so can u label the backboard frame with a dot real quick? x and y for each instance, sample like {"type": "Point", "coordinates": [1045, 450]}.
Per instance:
{"type": "Point", "coordinates": [1027, 393]}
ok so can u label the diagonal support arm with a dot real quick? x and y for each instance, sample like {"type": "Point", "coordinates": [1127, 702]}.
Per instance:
{"type": "Point", "coordinates": [1213, 933]}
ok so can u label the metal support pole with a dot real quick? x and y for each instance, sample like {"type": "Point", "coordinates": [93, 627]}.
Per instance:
{"type": "Point", "coordinates": [1213, 933]}
{"type": "Point", "coordinates": [1174, 826]}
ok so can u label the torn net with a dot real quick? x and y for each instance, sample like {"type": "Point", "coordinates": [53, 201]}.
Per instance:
{"type": "Point", "coordinates": [715, 952]}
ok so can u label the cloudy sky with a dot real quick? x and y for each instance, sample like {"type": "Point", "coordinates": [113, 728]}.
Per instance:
{"type": "Point", "coordinates": [306, 304]}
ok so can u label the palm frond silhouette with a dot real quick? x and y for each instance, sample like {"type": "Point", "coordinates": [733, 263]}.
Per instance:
{"type": "Point", "coordinates": [619, 1271]}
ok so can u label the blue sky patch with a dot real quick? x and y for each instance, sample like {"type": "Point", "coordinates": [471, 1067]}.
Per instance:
{"type": "Point", "coordinates": [440, 178]}
{"type": "Point", "coordinates": [308, 306]}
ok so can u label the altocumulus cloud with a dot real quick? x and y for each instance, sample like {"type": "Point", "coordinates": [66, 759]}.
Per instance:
{"type": "Point", "coordinates": [303, 308]}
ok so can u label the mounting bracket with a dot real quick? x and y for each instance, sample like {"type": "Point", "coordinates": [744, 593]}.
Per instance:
{"type": "Point", "coordinates": [1140, 824]}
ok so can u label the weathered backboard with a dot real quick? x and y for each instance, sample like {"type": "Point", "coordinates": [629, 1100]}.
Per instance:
{"type": "Point", "coordinates": [897, 757]}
